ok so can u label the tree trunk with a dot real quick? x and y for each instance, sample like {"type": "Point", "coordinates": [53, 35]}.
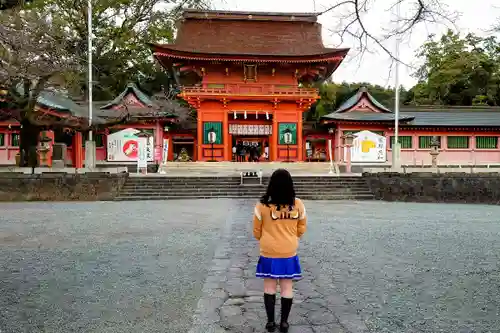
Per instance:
{"type": "Point", "coordinates": [29, 137]}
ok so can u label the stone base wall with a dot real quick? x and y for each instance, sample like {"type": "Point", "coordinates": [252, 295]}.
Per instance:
{"type": "Point", "coordinates": [60, 186]}
{"type": "Point", "coordinates": [435, 187]}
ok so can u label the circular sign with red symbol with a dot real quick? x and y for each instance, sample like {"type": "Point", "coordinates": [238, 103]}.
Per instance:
{"type": "Point", "coordinates": [130, 149]}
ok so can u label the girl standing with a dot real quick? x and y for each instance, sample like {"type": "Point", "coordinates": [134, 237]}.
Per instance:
{"type": "Point", "coordinates": [278, 223]}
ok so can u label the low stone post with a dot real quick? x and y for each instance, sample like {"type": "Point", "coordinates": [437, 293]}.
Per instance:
{"type": "Point", "coordinates": [348, 166]}
{"type": "Point", "coordinates": [59, 155]}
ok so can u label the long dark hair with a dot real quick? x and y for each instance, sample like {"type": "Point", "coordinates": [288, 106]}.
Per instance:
{"type": "Point", "coordinates": [280, 190]}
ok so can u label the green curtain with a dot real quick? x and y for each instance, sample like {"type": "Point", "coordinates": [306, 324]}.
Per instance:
{"type": "Point", "coordinates": [458, 142]}
{"type": "Point", "coordinates": [405, 141]}
{"type": "Point", "coordinates": [293, 129]}
{"type": "Point", "coordinates": [15, 140]}
{"type": "Point", "coordinates": [217, 127]}
{"type": "Point", "coordinates": [424, 142]}
{"type": "Point", "coordinates": [486, 142]}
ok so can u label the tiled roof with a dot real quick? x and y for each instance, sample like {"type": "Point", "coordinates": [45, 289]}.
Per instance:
{"type": "Point", "coordinates": [447, 116]}
{"type": "Point", "coordinates": [57, 101]}
{"type": "Point", "coordinates": [157, 106]}
{"type": "Point", "coordinates": [249, 33]}
{"type": "Point", "coordinates": [455, 117]}
{"type": "Point", "coordinates": [367, 116]}
{"type": "Point", "coordinates": [439, 115]}
{"type": "Point", "coordinates": [354, 99]}
{"type": "Point", "coordinates": [135, 112]}
{"type": "Point", "coordinates": [61, 103]}
{"type": "Point", "coordinates": [447, 108]}
{"type": "Point", "coordinates": [131, 88]}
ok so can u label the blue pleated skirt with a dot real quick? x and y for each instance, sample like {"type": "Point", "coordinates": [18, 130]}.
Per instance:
{"type": "Point", "coordinates": [279, 268]}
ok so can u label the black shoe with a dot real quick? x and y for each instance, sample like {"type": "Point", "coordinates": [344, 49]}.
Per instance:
{"type": "Point", "coordinates": [284, 327]}
{"type": "Point", "coordinates": [271, 326]}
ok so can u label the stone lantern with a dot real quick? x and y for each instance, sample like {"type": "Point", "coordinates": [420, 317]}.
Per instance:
{"type": "Point", "coordinates": [347, 141]}
{"type": "Point", "coordinates": [43, 150]}
{"type": "Point", "coordinates": [434, 150]}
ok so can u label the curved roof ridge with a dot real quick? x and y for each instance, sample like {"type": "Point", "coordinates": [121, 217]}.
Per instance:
{"type": "Point", "coordinates": [176, 51]}
{"type": "Point", "coordinates": [242, 33]}
{"type": "Point", "coordinates": [131, 87]}
{"type": "Point", "coordinates": [357, 96]}
{"type": "Point", "coordinates": [215, 14]}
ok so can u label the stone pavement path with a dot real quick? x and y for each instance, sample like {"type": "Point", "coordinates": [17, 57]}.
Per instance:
{"type": "Point", "coordinates": [233, 296]}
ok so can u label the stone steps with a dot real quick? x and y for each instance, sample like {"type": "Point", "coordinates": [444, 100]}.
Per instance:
{"type": "Point", "coordinates": [296, 180]}
{"type": "Point", "coordinates": [230, 196]}
{"type": "Point", "coordinates": [244, 188]}
{"type": "Point", "coordinates": [237, 183]}
{"type": "Point", "coordinates": [308, 188]}
{"type": "Point", "coordinates": [234, 168]}
{"type": "Point", "coordinates": [330, 180]}
{"type": "Point", "coordinates": [236, 191]}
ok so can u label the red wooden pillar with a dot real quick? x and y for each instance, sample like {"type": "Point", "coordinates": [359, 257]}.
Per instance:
{"type": "Point", "coordinates": [230, 140]}
{"type": "Point", "coordinates": [304, 147]}
{"type": "Point", "coordinates": [339, 152]}
{"type": "Point", "coordinates": [195, 150]}
{"type": "Point", "coordinates": [273, 144]}
{"type": "Point", "coordinates": [170, 156]}
{"type": "Point", "coordinates": [199, 138]}
{"type": "Point", "coordinates": [158, 140]}
{"type": "Point", "coordinates": [225, 137]}
{"type": "Point", "coordinates": [300, 147]}
{"type": "Point", "coordinates": [78, 150]}
{"type": "Point", "coordinates": [330, 140]}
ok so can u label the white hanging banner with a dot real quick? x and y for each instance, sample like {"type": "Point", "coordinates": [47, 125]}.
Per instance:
{"type": "Point", "coordinates": [163, 166]}
{"type": "Point", "coordinates": [142, 153]}
{"type": "Point", "coordinates": [165, 151]}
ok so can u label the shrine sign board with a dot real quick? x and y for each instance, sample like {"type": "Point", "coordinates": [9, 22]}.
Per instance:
{"type": "Point", "coordinates": [250, 129]}
{"type": "Point", "coordinates": [368, 147]}
{"type": "Point", "coordinates": [123, 146]}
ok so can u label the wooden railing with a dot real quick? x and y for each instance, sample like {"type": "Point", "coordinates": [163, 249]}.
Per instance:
{"type": "Point", "coordinates": [250, 89]}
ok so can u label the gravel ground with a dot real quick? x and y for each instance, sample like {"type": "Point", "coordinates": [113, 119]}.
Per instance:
{"type": "Point", "coordinates": [140, 266]}
{"type": "Point", "coordinates": [104, 267]}
{"type": "Point", "coordinates": [410, 267]}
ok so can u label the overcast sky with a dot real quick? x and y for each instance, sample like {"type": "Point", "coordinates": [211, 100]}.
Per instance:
{"type": "Point", "coordinates": [476, 16]}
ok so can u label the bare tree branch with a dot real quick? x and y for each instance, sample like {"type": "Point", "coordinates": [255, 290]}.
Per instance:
{"type": "Point", "coordinates": [352, 23]}
{"type": "Point", "coordinates": [32, 53]}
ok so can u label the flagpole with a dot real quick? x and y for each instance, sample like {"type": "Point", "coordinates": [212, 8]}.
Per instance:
{"type": "Point", "coordinates": [396, 147]}
{"type": "Point", "coordinates": [89, 23]}
{"type": "Point", "coordinates": [90, 144]}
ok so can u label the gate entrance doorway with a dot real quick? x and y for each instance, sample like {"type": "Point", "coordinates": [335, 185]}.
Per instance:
{"type": "Point", "coordinates": [250, 149]}
{"type": "Point", "coordinates": [183, 149]}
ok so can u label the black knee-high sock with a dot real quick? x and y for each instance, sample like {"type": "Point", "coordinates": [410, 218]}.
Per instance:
{"type": "Point", "coordinates": [286, 306]}
{"type": "Point", "coordinates": [270, 303]}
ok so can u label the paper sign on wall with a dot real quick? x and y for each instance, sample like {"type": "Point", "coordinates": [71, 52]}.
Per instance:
{"type": "Point", "coordinates": [123, 146]}
{"type": "Point", "coordinates": [368, 147]}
